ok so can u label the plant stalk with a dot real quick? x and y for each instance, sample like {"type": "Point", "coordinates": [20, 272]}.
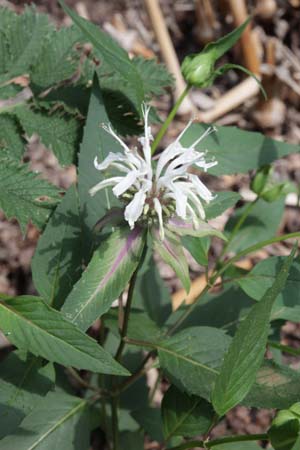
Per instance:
{"type": "Point", "coordinates": [222, 269]}
{"type": "Point", "coordinates": [225, 440]}
{"type": "Point", "coordinates": [169, 119]}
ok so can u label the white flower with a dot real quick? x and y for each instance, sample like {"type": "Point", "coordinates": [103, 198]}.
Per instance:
{"type": "Point", "coordinates": [156, 194]}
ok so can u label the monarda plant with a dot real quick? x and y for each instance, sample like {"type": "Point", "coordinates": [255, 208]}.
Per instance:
{"type": "Point", "coordinates": [102, 318]}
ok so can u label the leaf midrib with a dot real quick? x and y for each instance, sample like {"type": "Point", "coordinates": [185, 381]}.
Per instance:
{"type": "Point", "coordinates": [59, 423]}
{"type": "Point", "coordinates": [185, 358]}
{"type": "Point", "coordinates": [44, 331]}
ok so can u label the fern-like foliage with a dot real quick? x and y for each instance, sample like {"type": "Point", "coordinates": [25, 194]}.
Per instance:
{"type": "Point", "coordinates": [59, 66]}
{"type": "Point", "coordinates": [24, 195]}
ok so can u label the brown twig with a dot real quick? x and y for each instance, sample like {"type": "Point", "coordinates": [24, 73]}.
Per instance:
{"type": "Point", "coordinates": [239, 11]}
{"type": "Point", "coordinates": [232, 99]}
{"type": "Point", "coordinates": [168, 52]}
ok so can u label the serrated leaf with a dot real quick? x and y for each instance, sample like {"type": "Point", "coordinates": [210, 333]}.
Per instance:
{"type": "Point", "coordinates": [185, 415]}
{"type": "Point", "coordinates": [10, 137]}
{"type": "Point", "coordinates": [156, 77]}
{"type": "Point", "coordinates": [25, 34]}
{"type": "Point", "coordinates": [192, 358]}
{"type": "Point", "coordinates": [58, 421]}
{"type": "Point", "coordinates": [106, 276]}
{"type": "Point", "coordinates": [58, 131]}
{"type": "Point", "coordinates": [25, 196]}
{"type": "Point", "coordinates": [57, 261]}
{"type": "Point", "coordinates": [246, 352]}
{"type": "Point", "coordinates": [59, 60]}
{"type": "Point", "coordinates": [170, 250]}
{"type": "Point", "coordinates": [262, 223]}
{"type": "Point", "coordinates": [237, 151]}
{"type": "Point", "coordinates": [33, 326]}
{"type": "Point", "coordinates": [263, 275]}
{"type": "Point", "coordinates": [112, 54]}
{"type": "Point", "coordinates": [24, 381]}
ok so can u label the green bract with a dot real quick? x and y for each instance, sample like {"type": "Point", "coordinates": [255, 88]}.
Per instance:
{"type": "Point", "coordinates": [198, 69]}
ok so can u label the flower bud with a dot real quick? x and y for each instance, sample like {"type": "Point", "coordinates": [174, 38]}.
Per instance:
{"type": "Point", "coordinates": [198, 69]}
{"type": "Point", "coordinates": [285, 428]}
{"type": "Point", "coordinates": [260, 179]}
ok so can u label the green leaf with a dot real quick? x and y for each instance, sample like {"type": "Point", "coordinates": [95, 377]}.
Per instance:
{"type": "Point", "coordinates": [150, 421]}
{"type": "Point", "coordinates": [192, 358]}
{"type": "Point", "coordinates": [184, 228]}
{"type": "Point", "coordinates": [222, 45]}
{"type": "Point", "coordinates": [96, 142]}
{"type": "Point", "coordinates": [222, 310]}
{"type": "Point", "coordinates": [156, 77]}
{"type": "Point", "coordinates": [59, 59]}
{"type": "Point", "coordinates": [185, 415]}
{"type": "Point", "coordinates": [198, 248]}
{"type": "Point", "coordinates": [170, 250]}
{"type": "Point", "coordinates": [222, 201]}
{"type": "Point", "coordinates": [58, 131]}
{"type": "Point", "coordinates": [263, 275]}
{"type": "Point", "coordinates": [111, 53]}
{"type": "Point", "coordinates": [24, 381]}
{"type": "Point", "coordinates": [33, 326]}
{"type": "Point", "coordinates": [10, 137]}
{"type": "Point", "coordinates": [59, 421]}
{"type": "Point", "coordinates": [238, 446]}
{"type": "Point", "coordinates": [25, 196]}
{"type": "Point", "coordinates": [25, 34]}
{"type": "Point", "coordinates": [276, 386]}
{"type": "Point", "coordinates": [237, 151]}
{"type": "Point", "coordinates": [262, 223]}
{"type": "Point", "coordinates": [285, 430]}
{"type": "Point", "coordinates": [57, 261]}
{"type": "Point", "coordinates": [140, 326]}
{"type": "Point", "coordinates": [151, 293]}
{"type": "Point", "coordinates": [106, 276]}
{"type": "Point", "coordinates": [131, 440]}
{"type": "Point", "coordinates": [247, 349]}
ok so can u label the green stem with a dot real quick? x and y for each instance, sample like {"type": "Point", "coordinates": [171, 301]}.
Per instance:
{"type": "Point", "coordinates": [169, 119]}
{"type": "Point", "coordinates": [127, 310]}
{"type": "Point", "coordinates": [115, 423]}
{"type": "Point", "coordinates": [224, 440]}
{"type": "Point", "coordinates": [222, 269]}
{"type": "Point", "coordinates": [285, 348]}
{"type": "Point", "coordinates": [238, 225]}
{"type": "Point", "coordinates": [133, 378]}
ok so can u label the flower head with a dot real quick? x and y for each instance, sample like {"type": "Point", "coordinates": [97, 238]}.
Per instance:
{"type": "Point", "coordinates": [155, 193]}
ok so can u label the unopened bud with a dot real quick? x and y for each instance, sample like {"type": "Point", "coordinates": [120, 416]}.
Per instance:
{"type": "Point", "coordinates": [198, 69]}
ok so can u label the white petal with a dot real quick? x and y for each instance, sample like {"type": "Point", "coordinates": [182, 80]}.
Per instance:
{"type": "Point", "coordinates": [146, 139]}
{"type": "Point", "coordinates": [180, 199]}
{"type": "Point", "coordinates": [201, 189]}
{"type": "Point", "coordinates": [109, 130]}
{"type": "Point", "coordinates": [104, 183]}
{"type": "Point", "coordinates": [112, 157]}
{"type": "Point", "coordinates": [158, 209]}
{"type": "Point", "coordinates": [196, 201]}
{"type": "Point", "coordinates": [207, 132]}
{"type": "Point", "coordinates": [134, 209]}
{"type": "Point", "coordinates": [167, 155]}
{"type": "Point", "coordinates": [125, 183]}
